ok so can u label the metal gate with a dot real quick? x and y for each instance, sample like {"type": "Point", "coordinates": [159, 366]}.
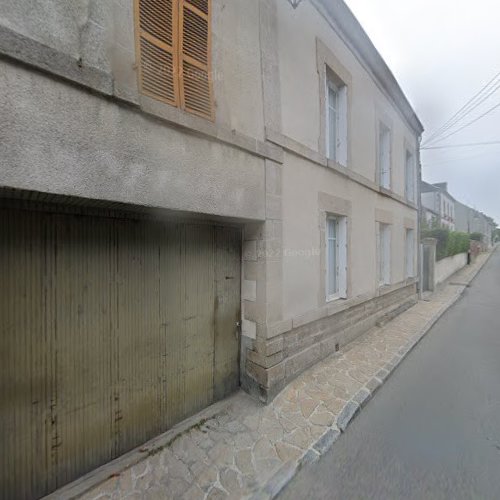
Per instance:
{"type": "Point", "coordinates": [111, 331]}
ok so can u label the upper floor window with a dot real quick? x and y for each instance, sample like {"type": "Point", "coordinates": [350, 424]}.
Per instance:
{"type": "Point", "coordinates": [410, 176]}
{"type": "Point", "coordinates": [336, 120]}
{"type": "Point", "coordinates": [174, 46]}
{"type": "Point", "coordinates": [384, 156]}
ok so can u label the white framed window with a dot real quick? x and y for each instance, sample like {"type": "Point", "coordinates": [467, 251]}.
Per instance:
{"type": "Point", "coordinates": [336, 121]}
{"type": "Point", "coordinates": [384, 254]}
{"type": "Point", "coordinates": [384, 156]}
{"type": "Point", "coordinates": [336, 257]}
{"type": "Point", "coordinates": [410, 176]}
{"type": "Point", "coordinates": [410, 253]}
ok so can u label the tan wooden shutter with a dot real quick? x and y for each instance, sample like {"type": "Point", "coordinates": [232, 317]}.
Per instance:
{"type": "Point", "coordinates": [195, 63]}
{"type": "Point", "coordinates": [157, 26]}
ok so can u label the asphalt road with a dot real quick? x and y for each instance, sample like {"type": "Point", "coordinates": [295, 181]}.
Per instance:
{"type": "Point", "coordinates": [433, 430]}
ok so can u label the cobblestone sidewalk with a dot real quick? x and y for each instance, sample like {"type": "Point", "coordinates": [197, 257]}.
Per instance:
{"type": "Point", "coordinates": [249, 450]}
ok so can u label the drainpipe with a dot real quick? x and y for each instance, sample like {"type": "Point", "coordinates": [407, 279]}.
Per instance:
{"type": "Point", "coordinates": [419, 222]}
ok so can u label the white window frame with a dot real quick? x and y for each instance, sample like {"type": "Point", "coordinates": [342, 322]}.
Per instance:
{"type": "Point", "coordinates": [332, 131]}
{"type": "Point", "coordinates": [336, 146]}
{"type": "Point", "coordinates": [384, 254]}
{"type": "Point", "coordinates": [410, 252]}
{"type": "Point", "coordinates": [384, 155]}
{"type": "Point", "coordinates": [410, 176]}
{"type": "Point", "coordinates": [339, 241]}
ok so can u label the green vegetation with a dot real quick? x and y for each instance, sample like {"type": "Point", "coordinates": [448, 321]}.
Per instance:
{"type": "Point", "coordinates": [433, 224]}
{"type": "Point", "coordinates": [448, 242]}
{"type": "Point", "coordinates": [476, 237]}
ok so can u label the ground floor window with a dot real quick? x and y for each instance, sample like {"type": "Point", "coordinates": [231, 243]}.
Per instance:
{"type": "Point", "coordinates": [410, 253]}
{"type": "Point", "coordinates": [384, 254]}
{"type": "Point", "coordinates": [336, 257]}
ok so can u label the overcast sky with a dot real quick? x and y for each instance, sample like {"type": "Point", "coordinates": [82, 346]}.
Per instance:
{"type": "Point", "coordinates": [443, 52]}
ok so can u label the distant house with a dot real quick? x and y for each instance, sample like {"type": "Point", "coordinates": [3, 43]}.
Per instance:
{"type": "Point", "coordinates": [437, 202]}
{"type": "Point", "coordinates": [429, 217]}
{"type": "Point", "coordinates": [470, 220]}
{"type": "Point", "coordinates": [438, 205]}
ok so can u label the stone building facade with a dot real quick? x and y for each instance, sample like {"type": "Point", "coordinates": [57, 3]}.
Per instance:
{"type": "Point", "coordinates": [333, 51]}
{"type": "Point", "coordinates": [304, 146]}
{"type": "Point", "coordinates": [437, 200]}
{"type": "Point", "coordinates": [470, 220]}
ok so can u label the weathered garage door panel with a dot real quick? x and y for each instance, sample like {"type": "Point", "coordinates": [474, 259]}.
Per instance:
{"type": "Point", "coordinates": [112, 331]}
{"type": "Point", "coordinates": [227, 304]}
{"type": "Point", "coordinates": [198, 316]}
{"type": "Point", "coordinates": [80, 282]}
{"type": "Point", "coordinates": [172, 345]}
{"type": "Point", "coordinates": [25, 378]}
{"type": "Point", "coordinates": [137, 390]}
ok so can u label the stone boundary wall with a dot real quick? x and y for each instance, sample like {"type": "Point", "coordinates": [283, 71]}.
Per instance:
{"type": "Point", "coordinates": [448, 266]}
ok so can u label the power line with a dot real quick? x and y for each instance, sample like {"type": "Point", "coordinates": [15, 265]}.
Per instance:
{"type": "Point", "coordinates": [467, 158]}
{"type": "Point", "coordinates": [470, 102]}
{"type": "Point", "coordinates": [470, 144]}
{"type": "Point", "coordinates": [471, 122]}
{"type": "Point", "coordinates": [466, 106]}
{"type": "Point", "coordinates": [463, 115]}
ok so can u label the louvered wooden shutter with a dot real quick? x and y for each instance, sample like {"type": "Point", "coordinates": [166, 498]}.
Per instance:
{"type": "Point", "coordinates": [195, 64]}
{"type": "Point", "coordinates": [158, 48]}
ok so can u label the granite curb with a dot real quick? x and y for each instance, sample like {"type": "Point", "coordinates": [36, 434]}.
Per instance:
{"type": "Point", "coordinates": [354, 406]}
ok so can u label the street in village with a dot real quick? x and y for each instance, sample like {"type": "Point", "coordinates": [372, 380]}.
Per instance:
{"type": "Point", "coordinates": [433, 431]}
{"type": "Point", "coordinates": [241, 449]}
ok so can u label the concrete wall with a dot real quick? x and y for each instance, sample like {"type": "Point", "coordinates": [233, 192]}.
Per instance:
{"type": "Point", "coordinates": [82, 144]}
{"type": "Point", "coordinates": [101, 35]}
{"type": "Point", "coordinates": [76, 28]}
{"type": "Point", "coordinates": [448, 266]}
{"type": "Point", "coordinates": [58, 139]}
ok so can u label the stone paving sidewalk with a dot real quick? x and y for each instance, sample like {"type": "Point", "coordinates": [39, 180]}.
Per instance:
{"type": "Point", "coordinates": [249, 450]}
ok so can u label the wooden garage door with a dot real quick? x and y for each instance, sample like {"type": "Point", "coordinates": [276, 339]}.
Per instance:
{"type": "Point", "coordinates": [111, 331]}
